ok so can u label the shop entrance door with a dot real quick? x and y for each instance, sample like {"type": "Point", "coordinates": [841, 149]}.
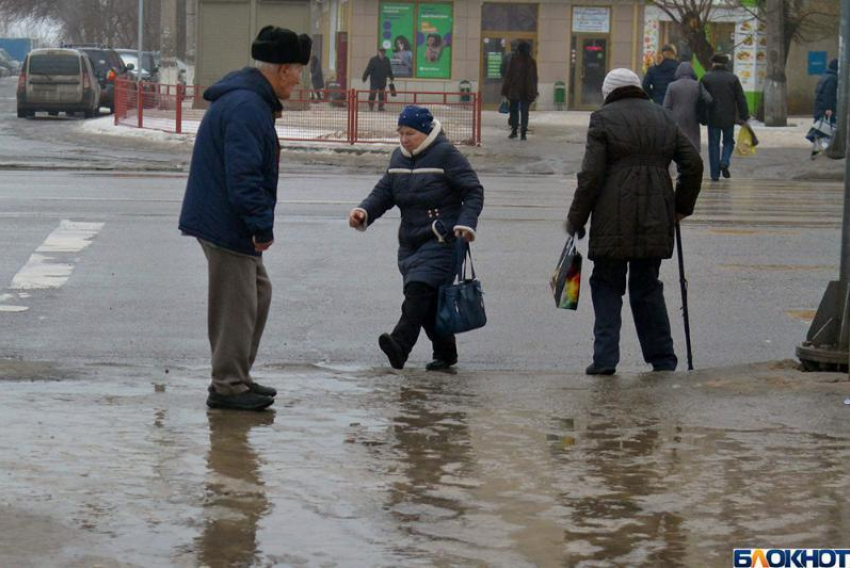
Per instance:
{"type": "Point", "coordinates": [494, 47]}
{"type": "Point", "coordinates": [589, 70]}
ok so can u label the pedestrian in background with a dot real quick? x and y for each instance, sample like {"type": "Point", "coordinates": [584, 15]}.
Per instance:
{"type": "Point", "coordinates": [520, 87]}
{"type": "Point", "coordinates": [378, 72]}
{"type": "Point", "coordinates": [624, 188]}
{"type": "Point", "coordinates": [229, 207]}
{"type": "Point", "coordinates": [683, 101]}
{"type": "Point", "coordinates": [317, 78]}
{"type": "Point", "coordinates": [659, 76]}
{"type": "Point", "coordinates": [826, 99]}
{"type": "Point", "coordinates": [728, 108]}
{"type": "Point", "coordinates": [440, 199]}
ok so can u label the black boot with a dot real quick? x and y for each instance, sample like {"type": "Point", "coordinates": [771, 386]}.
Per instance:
{"type": "Point", "coordinates": [247, 400]}
{"type": "Point", "coordinates": [513, 134]}
{"type": "Point", "coordinates": [392, 350]}
{"type": "Point", "coordinates": [522, 137]}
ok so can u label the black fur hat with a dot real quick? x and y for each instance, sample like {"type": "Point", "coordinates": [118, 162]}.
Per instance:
{"type": "Point", "coordinates": [279, 45]}
{"type": "Point", "coordinates": [719, 59]}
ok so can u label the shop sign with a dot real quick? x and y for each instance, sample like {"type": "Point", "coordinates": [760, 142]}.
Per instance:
{"type": "Point", "coordinates": [591, 20]}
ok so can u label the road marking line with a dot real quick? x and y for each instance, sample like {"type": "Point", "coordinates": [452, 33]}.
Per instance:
{"type": "Point", "coordinates": [44, 269]}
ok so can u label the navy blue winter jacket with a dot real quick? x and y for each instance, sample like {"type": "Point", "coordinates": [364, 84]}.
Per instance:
{"type": "Point", "coordinates": [658, 78]}
{"type": "Point", "coordinates": [232, 189]}
{"type": "Point", "coordinates": [826, 93]}
{"type": "Point", "coordinates": [434, 183]}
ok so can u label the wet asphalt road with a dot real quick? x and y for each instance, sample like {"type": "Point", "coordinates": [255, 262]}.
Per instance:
{"type": "Point", "coordinates": [109, 458]}
{"type": "Point", "coordinates": [758, 261]}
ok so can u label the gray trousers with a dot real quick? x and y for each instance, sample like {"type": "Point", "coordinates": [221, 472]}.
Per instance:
{"type": "Point", "coordinates": [240, 294]}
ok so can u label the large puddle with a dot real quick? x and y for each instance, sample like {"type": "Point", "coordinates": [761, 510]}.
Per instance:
{"type": "Point", "coordinates": [360, 468]}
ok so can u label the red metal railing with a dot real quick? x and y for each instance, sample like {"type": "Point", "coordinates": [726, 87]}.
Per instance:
{"type": "Point", "coordinates": [326, 115]}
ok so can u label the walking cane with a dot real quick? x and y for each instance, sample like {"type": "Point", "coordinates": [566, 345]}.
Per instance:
{"type": "Point", "coordinates": [683, 282]}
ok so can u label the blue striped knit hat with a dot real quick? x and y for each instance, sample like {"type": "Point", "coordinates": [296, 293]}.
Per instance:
{"type": "Point", "coordinates": [417, 118]}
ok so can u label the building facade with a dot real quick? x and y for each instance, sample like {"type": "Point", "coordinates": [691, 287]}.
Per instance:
{"type": "Point", "coordinates": [438, 45]}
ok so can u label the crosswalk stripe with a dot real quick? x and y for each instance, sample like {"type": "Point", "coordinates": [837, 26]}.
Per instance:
{"type": "Point", "coordinates": [51, 265]}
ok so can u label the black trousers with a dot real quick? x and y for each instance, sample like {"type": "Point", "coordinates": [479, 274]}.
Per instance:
{"type": "Point", "coordinates": [646, 297]}
{"type": "Point", "coordinates": [382, 96]}
{"type": "Point", "coordinates": [519, 111]}
{"type": "Point", "coordinates": [419, 311]}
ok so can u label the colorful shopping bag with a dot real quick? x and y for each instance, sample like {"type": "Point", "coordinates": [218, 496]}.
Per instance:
{"type": "Point", "coordinates": [566, 280]}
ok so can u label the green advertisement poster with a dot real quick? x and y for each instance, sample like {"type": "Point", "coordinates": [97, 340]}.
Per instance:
{"type": "Point", "coordinates": [397, 36]}
{"type": "Point", "coordinates": [434, 41]}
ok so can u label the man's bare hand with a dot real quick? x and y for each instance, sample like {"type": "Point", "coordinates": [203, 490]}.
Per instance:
{"type": "Point", "coordinates": [260, 247]}
{"type": "Point", "coordinates": [356, 218]}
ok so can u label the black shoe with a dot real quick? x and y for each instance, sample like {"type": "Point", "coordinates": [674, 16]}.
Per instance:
{"type": "Point", "coordinates": [257, 388]}
{"type": "Point", "coordinates": [512, 134]}
{"type": "Point", "coordinates": [440, 364]}
{"type": "Point", "coordinates": [594, 370]}
{"type": "Point", "coordinates": [392, 350]}
{"type": "Point", "coordinates": [243, 401]}
{"type": "Point", "coordinates": [715, 179]}
{"type": "Point", "coordinates": [522, 136]}
{"type": "Point", "coordinates": [725, 171]}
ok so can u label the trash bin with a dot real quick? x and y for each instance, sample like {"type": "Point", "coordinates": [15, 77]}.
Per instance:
{"type": "Point", "coordinates": [335, 94]}
{"type": "Point", "coordinates": [466, 90]}
{"type": "Point", "coordinates": [560, 95]}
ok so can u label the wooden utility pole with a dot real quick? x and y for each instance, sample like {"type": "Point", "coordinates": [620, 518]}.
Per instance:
{"type": "Point", "coordinates": [775, 85]}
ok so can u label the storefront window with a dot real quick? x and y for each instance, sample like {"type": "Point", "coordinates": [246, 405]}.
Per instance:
{"type": "Point", "coordinates": [418, 38]}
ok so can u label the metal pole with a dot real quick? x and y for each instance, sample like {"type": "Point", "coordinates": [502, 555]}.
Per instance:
{"type": "Point", "coordinates": [141, 35]}
{"type": "Point", "coordinates": [827, 345]}
{"type": "Point", "coordinates": [839, 142]}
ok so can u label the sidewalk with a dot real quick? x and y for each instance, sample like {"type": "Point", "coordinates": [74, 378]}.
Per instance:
{"type": "Point", "coordinates": [555, 147]}
{"type": "Point", "coordinates": [123, 466]}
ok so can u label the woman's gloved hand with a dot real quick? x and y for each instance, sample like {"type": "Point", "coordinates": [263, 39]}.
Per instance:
{"type": "Point", "coordinates": [573, 232]}
{"type": "Point", "coordinates": [464, 234]}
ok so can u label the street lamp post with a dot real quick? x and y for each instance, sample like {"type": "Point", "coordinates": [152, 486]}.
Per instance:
{"type": "Point", "coordinates": [826, 345]}
{"type": "Point", "coordinates": [839, 142]}
{"type": "Point", "coordinates": [141, 35]}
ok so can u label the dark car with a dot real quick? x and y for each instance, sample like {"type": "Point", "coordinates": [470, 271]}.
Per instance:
{"type": "Point", "coordinates": [108, 66]}
{"type": "Point", "coordinates": [148, 70]}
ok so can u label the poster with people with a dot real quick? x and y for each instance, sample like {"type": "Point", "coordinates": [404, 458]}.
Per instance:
{"type": "Point", "coordinates": [397, 36]}
{"type": "Point", "coordinates": [434, 41]}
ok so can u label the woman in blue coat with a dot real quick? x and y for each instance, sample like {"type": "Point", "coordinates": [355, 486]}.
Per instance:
{"type": "Point", "coordinates": [440, 199]}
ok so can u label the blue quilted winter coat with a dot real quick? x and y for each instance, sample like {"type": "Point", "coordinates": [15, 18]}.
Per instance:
{"type": "Point", "coordinates": [433, 183]}
{"type": "Point", "coordinates": [232, 189]}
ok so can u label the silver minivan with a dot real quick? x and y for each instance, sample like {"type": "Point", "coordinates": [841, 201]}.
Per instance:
{"type": "Point", "coordinates": [58, 80]}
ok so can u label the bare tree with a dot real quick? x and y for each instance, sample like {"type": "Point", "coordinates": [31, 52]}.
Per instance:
{"type": "Point", "coordinates": [692, 17]}
{"type": "Point", "coordinates": [108, 22]}
{"type": "Point", "coordinates": [803, 21]}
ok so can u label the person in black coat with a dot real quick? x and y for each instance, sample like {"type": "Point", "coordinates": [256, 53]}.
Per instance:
{"type": "Point", "coordinates": [625, 184]}
{"type": "Point", "coordinates": [440, 199]}
{"type": "Point", "coordinates": [728, 107]}
{"type": "Point", "coordinates": [316, 77]}
{"type": "Point", "coordinates": [826, 99]}
{"type": "Point", "coordinates": [519, 86]}
{"type": "Point", "coordinates": [378, 71]}
{"type": "Point", "coordinates": [658, 77]}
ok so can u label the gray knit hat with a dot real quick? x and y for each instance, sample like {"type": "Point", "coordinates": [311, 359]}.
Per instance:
{"type": "Point", "coordinates": [619, 78]}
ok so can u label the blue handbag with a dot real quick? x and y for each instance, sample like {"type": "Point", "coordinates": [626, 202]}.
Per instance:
{"type": "Point", "coordinates": [504, 106]}
{"type": "Point", "coordinates": [460, 305]}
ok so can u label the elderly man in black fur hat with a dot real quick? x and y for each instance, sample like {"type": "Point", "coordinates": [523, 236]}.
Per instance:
{"type": "Point", "coordinates": [229, 207]}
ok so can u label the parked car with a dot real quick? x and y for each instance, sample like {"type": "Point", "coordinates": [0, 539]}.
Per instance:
{"type": "Point", "coordinates": [149, 68]}
{"type": "Point", "coordinates": [108, 66]}
{"type": "Point", "coordinates": [58, 80]}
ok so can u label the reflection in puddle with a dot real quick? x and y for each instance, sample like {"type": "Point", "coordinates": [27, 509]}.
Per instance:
{"type": "Point", "coordinates": [235, 495]}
